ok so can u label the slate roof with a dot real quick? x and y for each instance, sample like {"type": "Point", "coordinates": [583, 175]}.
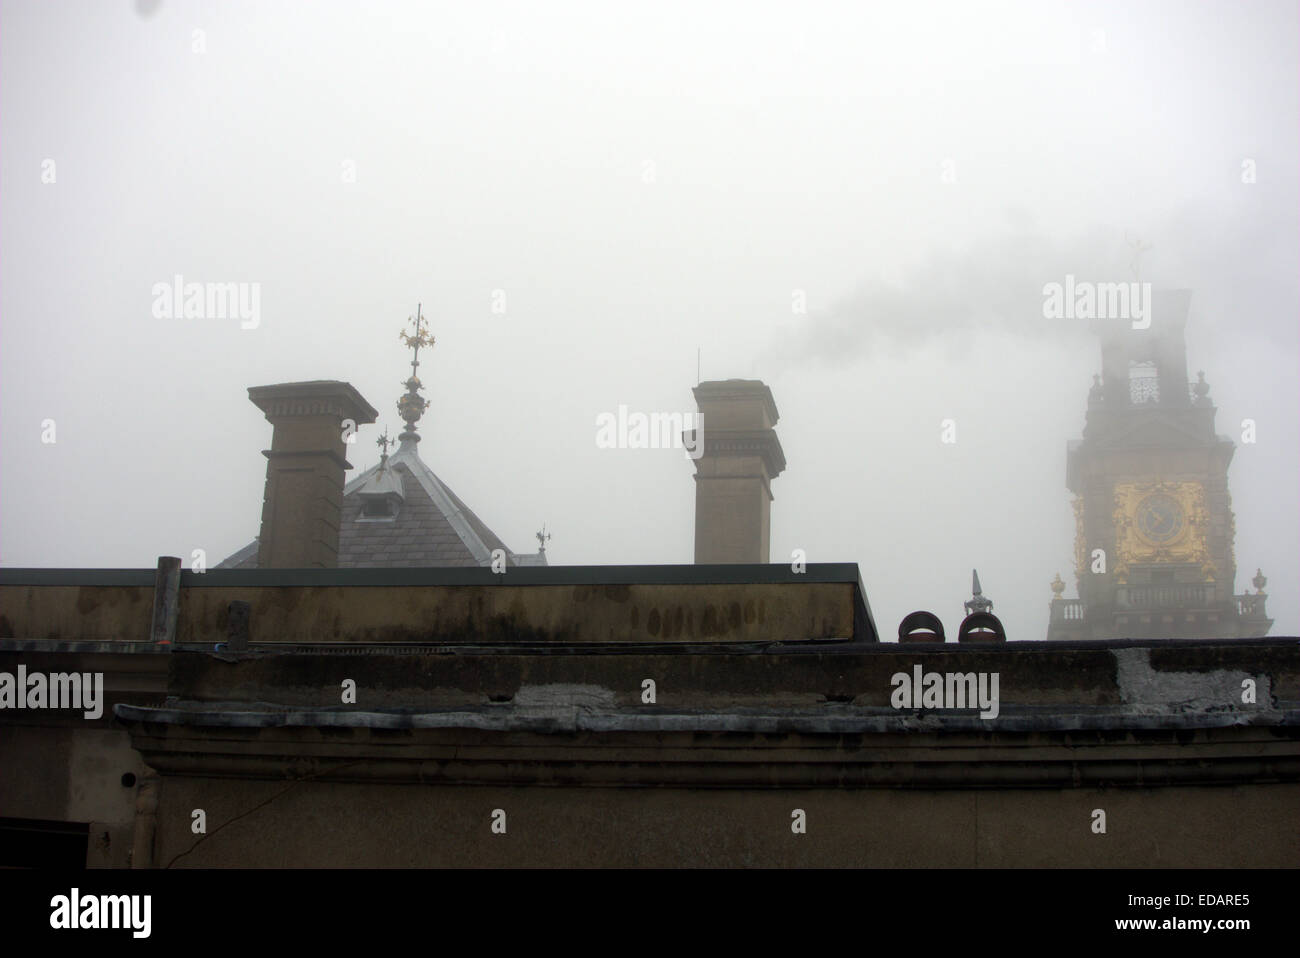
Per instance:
{"type": "Point", "coordinates": [433, 527]}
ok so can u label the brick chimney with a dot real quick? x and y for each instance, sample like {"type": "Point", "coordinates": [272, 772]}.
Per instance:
{"type": "Point", "coordinates": [304, 470]}
{"type": "Point", "coordinates": [741, 456]}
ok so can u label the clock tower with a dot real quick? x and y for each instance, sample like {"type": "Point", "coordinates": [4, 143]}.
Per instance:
{"type": "Point", "coordinates": [1153, 517]}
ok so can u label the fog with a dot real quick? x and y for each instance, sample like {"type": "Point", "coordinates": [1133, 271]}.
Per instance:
{"type": "Point", "coordinates": [859, 204]}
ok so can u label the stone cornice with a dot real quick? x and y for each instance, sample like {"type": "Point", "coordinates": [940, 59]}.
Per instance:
{"type": "Point", "coordinates": [323, 397]}
{"type": "Point", "coordinates": [763, 750]}
{"type": "Point", "coordinates": [327, 454]}
{"type": "Point", "coordinates": [734, 443]}
{"type": "Point", "coordinates": [738, 389]}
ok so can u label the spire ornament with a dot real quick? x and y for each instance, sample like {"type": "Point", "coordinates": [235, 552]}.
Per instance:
{"type": "Point", "coordinates": [1097, 393]}
{"type": "Point", "coordinates": [411, 406]}
{"type": "Point", "coordinates": [1201, 390]}
{"type": "Point", "coordinates": [977, 602]}
{"type": "Point", "coordinates": [1138, 248]}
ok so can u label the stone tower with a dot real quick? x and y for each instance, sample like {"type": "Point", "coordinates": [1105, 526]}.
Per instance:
{"type": "Point", "coordinates": [740, 455]}
{"type": "Point", "coordinates": [1154, 525]}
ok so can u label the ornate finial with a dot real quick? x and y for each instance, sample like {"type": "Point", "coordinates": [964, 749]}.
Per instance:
{"type": "Point", "coordinates": [542, 537]}
{"type": "Point", "coordinates": [1139, 248]}
{"type": "Point", "coordinates": [1259, 582]}
{"type": "Point", "coordinates": [383, 442]}
{"type": "Point", "coordinates": [1201, 389]}
{"type": "Point", "coordinates": [977, 602]}
{"type": "Point", "coordinates": [412, 405]}
{"type": "Point", "coordinates": [1058, 586]}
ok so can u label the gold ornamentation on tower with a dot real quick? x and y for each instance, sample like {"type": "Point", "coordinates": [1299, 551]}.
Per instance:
{"type": "Point", "coordinates": [411, 406]}
{"type": "Point", "coordinates": [1161, 523]}
{"type": "Point", "coordinates": [1232, 530]}
{"type": "Point", "coordinates": [1080, 543]}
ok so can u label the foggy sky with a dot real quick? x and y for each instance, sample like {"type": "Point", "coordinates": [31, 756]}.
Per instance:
{"type": "Point", "coordinates": [641, 181]}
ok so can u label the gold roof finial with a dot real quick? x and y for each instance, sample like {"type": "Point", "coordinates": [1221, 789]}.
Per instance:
{"type": "Point", "coordinates": [411, 406]}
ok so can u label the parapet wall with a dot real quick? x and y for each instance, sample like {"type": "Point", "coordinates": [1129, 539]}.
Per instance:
{"type": "Point", "coordinates": [438, 607]}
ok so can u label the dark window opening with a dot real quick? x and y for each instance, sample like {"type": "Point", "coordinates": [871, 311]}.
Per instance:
{"type": "Point", "coordinates": [377, 509]}
{"type": "Point", "coordinates": [31, 843]}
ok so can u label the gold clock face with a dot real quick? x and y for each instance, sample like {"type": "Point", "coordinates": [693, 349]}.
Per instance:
{"type": "Point", "coordinates": [1160, 519]}
{"type": "Point", "coordinates": [1159, 522]}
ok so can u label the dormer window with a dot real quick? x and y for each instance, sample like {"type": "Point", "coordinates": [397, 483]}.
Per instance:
{"type": "Point", "coordinates": [378, 508]}
{"type": "Point", "coordinates": [381, 496]}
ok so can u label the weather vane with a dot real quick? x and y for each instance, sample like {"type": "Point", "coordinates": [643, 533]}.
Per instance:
{"type": "Point", "coordinates": [412, 405]}
{"type": "Point", "coordinates": [421, 337]}
{"type": "Point", "coordinates": [542, 537]}
{"type": "Point", "coordinates": [1139, 248]}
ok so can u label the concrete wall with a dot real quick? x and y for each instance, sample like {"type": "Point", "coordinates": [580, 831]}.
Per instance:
{"type": "Point", "coordinates": [344, 826]}
{"type": "Point", "coordinates": [74, 774]}
{"type": "Point", "coordinates": [533, 605]}
{"type": "Point", "coordinates": [57, 765]}
{"type": "Point", "coordinates": [1159, 735]}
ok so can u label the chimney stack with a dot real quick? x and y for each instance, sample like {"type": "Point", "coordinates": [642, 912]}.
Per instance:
{"type": "Point", "coordinates": [740, 457]}
{"type": "Point", "coordinates": [304, 470]}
